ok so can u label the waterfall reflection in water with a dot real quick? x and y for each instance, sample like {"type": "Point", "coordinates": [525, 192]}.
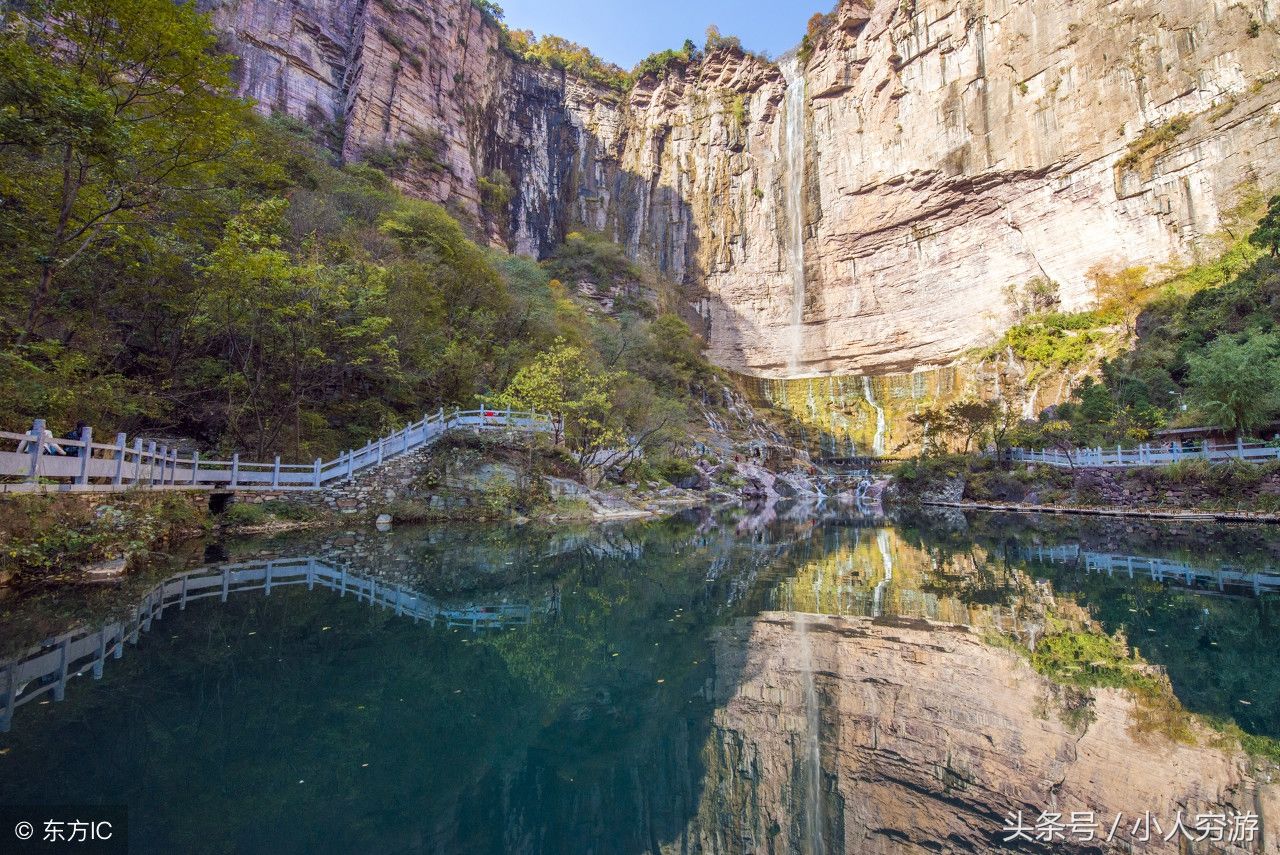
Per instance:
{"type": "Point", "coordinates": [701, 685]}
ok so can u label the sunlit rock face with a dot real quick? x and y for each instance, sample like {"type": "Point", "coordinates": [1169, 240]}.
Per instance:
{"type": "Point", "coordinates": [928, 738]}
{"type": "Point", "coordinates": [929, 735]}
{"type": "Point", "coordinates": [944, 153]}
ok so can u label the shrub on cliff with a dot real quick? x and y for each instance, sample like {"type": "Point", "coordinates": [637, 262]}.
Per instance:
{"type": "Point", "coordinates": [562, 54]}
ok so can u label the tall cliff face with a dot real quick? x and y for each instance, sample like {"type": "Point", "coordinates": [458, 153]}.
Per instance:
{"type": "Point", "coordinates": [861, 212]}
{"type": "Point", "coordinates": [928, 740]}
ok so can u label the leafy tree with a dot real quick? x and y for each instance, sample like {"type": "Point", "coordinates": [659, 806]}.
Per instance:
{"type": "Point", "coordinates": [560, 53]}
{"type": "Point", "coordinates": [1267, 234]}
{"type": "Point", "coordinates": [1060, 435]}
{"type": "Point", "coordinates": [1236, 383]}
{"type": "Point", "coordinates": [1034, 297]}
{"type": "Point", "coordinates": [1120, 292]}
{"type": "Point", "coordinates": [112, 112]}
{"type": "Point", "coordinates": [285, 332]}
{"type": "Point", "coordinates": [661, 63]}
{"type": "Point", "coordinates": [561, 380]}
{"type": "Point", "coordinates": [590, 256]}
{"type": "Point", "coordinates": [716, 41]}
{"type": "Point", "coordinates": [970, 419]}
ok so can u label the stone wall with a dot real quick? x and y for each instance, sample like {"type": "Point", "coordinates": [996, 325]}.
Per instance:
{"type": "Point", "coordinates": [1243, 487]}
{"type": "Point", "coordinates": [370, 491]}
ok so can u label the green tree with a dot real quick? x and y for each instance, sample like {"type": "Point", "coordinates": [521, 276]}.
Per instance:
{"type": "Point", "coordinates": [970, 420]}
{"type": "Point", "coordinates": [1120, 292]}
{"type": "Point", "coordinates": [111, 113]}
{"type": "Point", "coordinates": [1236, 384]}
{"type": "Point", "coordinates": [284, 334]}
{"type": "Point", "coordinates": [561, 380]}
{"type": "Point", "coordinates": [935, 428]}
{"type": "Point", "coordinates": [1267, 234]}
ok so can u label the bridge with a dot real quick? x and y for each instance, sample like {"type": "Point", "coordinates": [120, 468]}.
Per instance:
{"type": "Point", "coordinates": [88, 466]}
{"type": "Point", "coordinates": [47, 668]}
{"type": "Point", "coordinates": [1224, 579]}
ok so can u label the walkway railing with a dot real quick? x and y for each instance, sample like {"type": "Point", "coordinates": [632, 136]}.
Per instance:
{"type": "Point", "coordinates": [46, 669]}
{"type": "Point", "coordinates": [93, 466]}
{"type": "Point", "coordinates": [1224, 579]}
{"type": "Point", "coordinates": [1147, 455]}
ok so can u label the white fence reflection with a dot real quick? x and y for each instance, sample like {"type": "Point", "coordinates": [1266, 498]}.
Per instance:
{"type": "Point", "coordinates": [45, 670]}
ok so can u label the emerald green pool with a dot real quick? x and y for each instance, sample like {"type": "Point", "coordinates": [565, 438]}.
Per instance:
{"type": "Point", "coordinates": [599, 690]}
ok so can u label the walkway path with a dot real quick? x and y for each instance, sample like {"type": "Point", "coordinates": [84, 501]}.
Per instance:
{"type": "Point", "coordinates": [121, 466]}
{"type": "Point", "coordinates": [1147, 455]}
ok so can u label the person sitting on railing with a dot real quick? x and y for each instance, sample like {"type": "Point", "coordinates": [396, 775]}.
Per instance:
{"type": "Point", "coordinates": [76, 434]}
{"type": "Point", "coordinates": [49, 446]}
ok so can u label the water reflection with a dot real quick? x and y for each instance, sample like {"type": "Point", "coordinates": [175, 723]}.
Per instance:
{"type": "Point", "coordinates": [792, 683]}
{"type": "Point", "coordinates": [47, 668]}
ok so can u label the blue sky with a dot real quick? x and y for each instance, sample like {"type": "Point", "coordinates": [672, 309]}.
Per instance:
{"type": "Point", "coordinates": [626, 31]}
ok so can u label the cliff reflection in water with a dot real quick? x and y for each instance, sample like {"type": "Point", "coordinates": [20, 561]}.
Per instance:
{"type": "Point", "coordinates": [697, 685]}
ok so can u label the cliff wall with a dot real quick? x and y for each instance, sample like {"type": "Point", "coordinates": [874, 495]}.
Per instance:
{"type": "Point", "coordinates": [859, 212]}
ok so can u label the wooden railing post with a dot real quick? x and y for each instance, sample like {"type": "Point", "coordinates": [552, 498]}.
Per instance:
{"type": "Point", "coordinates": [195, 468]}
{"type": "Point", "coordinates": [118, 478]}
{"type": "Point", "coordinates": [235, 469]}
{"type": "Point", "coordinates": [36, 449]}
{"type": "Point", "coordinates": [151, 463]}
{"type": "Point", "coordinates": [137, 460]}
{"type": "Point", "coordinates": [86, 436]}
{"type": "Point", "coordinates": [317, 471]}
{"type": "Point", "coordinates": [275, 473]}
{"type": "Point", "coordinates": [351, 459]}
{"type": "Point", "coordinates": [380, 450]}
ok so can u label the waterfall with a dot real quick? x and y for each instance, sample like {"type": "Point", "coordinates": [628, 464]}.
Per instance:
{"type": "Point", "coordinates": [813, 747]}
{"type": "Point", "coordinates": [877, 444]}
{"type": "Point", "coordinates": [794, 148]}
{"type": "Point", "coordinates": [877, 597]}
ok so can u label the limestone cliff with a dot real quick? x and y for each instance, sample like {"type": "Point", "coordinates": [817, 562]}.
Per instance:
{"type": "Point", "coordinates": [919, 737]}
{"type": "Point", "coordinates": [858, 212]}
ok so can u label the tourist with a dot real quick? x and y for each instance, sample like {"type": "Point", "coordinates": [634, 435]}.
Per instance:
{"type": "Point", "coordinates": [76, 434]}
{"type": "Point", "coordinates": [49, 446]}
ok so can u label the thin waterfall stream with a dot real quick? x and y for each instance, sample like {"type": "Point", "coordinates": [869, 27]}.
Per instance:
{"type": "Point", "coordinates": [813, 748]}
{"type": "Point", "coordinates": [794, 149]}
{"type": "Point", "coordinates": [877, 443]}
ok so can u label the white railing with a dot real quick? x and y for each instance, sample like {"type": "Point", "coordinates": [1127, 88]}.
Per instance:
{"type": "Point", "coordinates": [1225, 579]}
{"type": "Point", "coordinates": [47, 668]}
{"type": "Point", "coordinates": [1148, 455]}
{"type": "Point", "coordinates": [85, 465]}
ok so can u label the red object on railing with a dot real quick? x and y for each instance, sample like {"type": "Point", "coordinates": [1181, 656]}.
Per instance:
{"type": "Point", "coordinates": [489, 414]}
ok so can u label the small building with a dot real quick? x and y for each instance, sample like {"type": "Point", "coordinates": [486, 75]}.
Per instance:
{"type": "Point", "coordinates": [1194, 436]}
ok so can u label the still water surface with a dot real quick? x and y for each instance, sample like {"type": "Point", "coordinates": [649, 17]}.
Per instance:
{"type": "Point", "coordinates": [818, 683]}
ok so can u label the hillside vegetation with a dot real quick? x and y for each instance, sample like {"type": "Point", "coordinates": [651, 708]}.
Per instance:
{"type": "Point", "coordinates": [170, 261]}
{"type": "Point", "coordinates": [1198, 347]}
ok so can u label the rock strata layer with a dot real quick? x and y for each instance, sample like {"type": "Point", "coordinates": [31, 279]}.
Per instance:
{"type": "Point", "coordinates": [928, 738]}
{"type": "Point", "coordinates": [945, 152]}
